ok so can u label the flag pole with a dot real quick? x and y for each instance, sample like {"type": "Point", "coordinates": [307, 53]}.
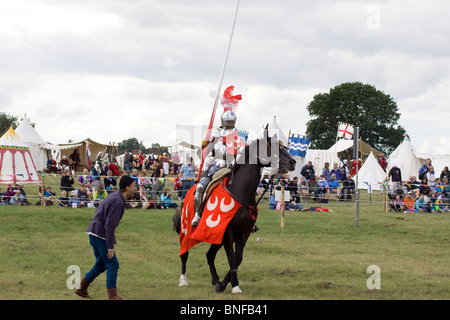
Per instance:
{"type": "Point", "coordinates": [222, 73]}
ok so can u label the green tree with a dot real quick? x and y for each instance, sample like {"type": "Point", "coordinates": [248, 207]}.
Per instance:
{"type": "Point", "coordinates": [6, 121]}
{"type": "Point", "coordinates": [360, 105]}
{"type": "Point", "coordinates": [130, 145]}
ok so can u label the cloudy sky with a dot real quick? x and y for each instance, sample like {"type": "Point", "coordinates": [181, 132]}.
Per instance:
{"type": "Point", "coordinates": [115, 69]}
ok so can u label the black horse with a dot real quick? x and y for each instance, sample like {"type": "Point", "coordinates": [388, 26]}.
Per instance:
{"type": "Point", "coordinates": [242, 184]}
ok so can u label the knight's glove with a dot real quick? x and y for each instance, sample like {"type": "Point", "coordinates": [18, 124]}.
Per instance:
{"type": "Point", "coordinates": [205, 143]}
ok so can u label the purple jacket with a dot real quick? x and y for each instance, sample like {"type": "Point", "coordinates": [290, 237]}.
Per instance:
{"type": "Point", "coordinates": [107, 218]}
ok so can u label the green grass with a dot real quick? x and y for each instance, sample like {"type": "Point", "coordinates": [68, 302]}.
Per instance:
{"type": "Point", "coordinates": [318, 255]}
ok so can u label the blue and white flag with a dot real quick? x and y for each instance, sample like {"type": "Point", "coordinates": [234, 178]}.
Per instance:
{"type": "Point", "coordinates": [298, 145]}
{"type": "Point", "coordinates": [243, 134]}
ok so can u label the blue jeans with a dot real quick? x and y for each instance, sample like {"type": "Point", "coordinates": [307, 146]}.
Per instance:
{"type": "Point", "coordinates": [103, 263]}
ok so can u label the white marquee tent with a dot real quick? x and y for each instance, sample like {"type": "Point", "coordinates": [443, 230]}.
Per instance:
{"type": "Point", "coordinates": [39, 148]}
{"type": "Point", "coordinates": [371, 174]}
{"type": "Point", "coordinates": [407, 159]}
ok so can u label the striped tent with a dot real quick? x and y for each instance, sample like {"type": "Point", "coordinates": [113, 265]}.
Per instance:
{"type": "Point", "coordinates": [16, 162]}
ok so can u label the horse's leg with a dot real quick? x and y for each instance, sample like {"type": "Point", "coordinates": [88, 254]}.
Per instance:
{"type": "Point", "coordinates": [183, 279]}
{"type": "Point", "coordinates": [237, 259]}
{"type": "Point", "coordinates": [211, 256]}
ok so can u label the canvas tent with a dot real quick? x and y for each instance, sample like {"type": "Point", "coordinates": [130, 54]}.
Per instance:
{"type": "Point", "coordinates": [371, 174]}
{"type": "Point", "coordinates": [80, 148]}
{"type": "Point", "coordinates": [16, 161]}
{"type": "Point", "coordinates": [345, 144]}
{"type": "Point", "coordinates": [407, 159]}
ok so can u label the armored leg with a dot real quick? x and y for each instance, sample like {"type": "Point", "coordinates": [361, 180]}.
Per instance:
{"type": "Point", "coordinates": [198, 198]}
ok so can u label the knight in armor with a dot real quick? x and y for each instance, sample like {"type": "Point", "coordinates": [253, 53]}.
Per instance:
{"type": "Point", "coordinates": [218, 153]}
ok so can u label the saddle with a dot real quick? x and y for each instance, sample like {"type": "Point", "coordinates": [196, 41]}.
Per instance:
{"type": "Point", "coordinates": [217, 178]}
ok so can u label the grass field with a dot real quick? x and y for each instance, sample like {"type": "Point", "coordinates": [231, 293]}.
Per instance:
{"type": "Point", "coordinates": [318, 255]}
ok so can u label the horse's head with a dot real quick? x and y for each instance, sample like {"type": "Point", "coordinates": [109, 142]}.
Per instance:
{"type": "Point", "coordinates": [270, 152]}
{"type": "Point", "coordinates": [286, 163]}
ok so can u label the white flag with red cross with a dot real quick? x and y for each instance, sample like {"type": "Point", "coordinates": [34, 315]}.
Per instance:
{"type": "Point", "coordinates": [345, 131]}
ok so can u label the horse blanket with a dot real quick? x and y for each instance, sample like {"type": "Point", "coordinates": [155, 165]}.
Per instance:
{"type": "Point", "coordinates": [218, 211]}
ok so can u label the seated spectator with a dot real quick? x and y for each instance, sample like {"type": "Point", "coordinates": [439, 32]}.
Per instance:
{"type": "Point", "coordinates": [335, 186]}
{"type": "Point", "coordinates": [84, 196]}
{"type": "Point", "coordinates": [409, 202]}
{"type": "Point", "coordinates": [421, 204]}
{"type": "Point", "coordinates": [423, 187]}
{"type": "Point", "coordinates": [444, 174]}
{"type": "Point", "coordinates": [308, 171]}
{"type": "Point", "coordinates": [292, 187]}
{"type": "Point", "coordinates": [143, 183]}
{"type": "Point", "coordinates": [8, 194]}
{"type": "Point", "coordinates": [303, 189]}
{"type": "Point", "coordinates": [413, 185]}
{"type": "Point", "coordinates": [67, 181]}
{"type": "Point", "coordinates": [326, 171]}
{"type": "Point", "coordinates": [431, 178]}
{"type": "Point", "coordinates": [19, 197]}
{"type": "Point", "coordinates": [438, 205]}
{"type": "Point", "coordinates": [51, 165]}
{"type": "Point", "coordinates": [64, 163]}
{"type": "Point", "coordinates": [99, 195]}
{"type": "Point", "coordinates": [63, 200]}
{"type": "Point", "coordinates": [48, 196]}
{"type": "Point", "coordinates": [110, 182]}
{"type": "Point", "coordinates": [399, 205]}
{"type": "Point", "coordinates": [167, 201]}
{"type": "Point", "coordinates": [446, 191]}
{"type": "Point", "coordinates": [348, 188]}
{"type": "Point", "coordinates": [86, 179]}
{"type": "Point", "coordinates": [439, 187]}
{"type": "Point", "coordinates": [322, 190]}
{"type": "Point", "coordinates": [74, 202]}
{"type": "Point", "coordinates": [338, 172]}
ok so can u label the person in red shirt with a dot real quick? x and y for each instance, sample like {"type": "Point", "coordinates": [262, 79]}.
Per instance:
{"type": "Point", "coordinates": [115, 170]}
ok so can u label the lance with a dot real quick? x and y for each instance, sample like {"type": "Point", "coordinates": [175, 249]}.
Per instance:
{"type": "Point", "coordinates": [216, 100]}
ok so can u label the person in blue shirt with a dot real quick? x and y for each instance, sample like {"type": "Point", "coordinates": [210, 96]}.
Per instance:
{"type": "Point", "coordinates": [74, 201]}
{"type": "Point", "coordinates": [421, 204]}
{"type": "Point", "coordinates": [335, 186]}
{"type": "Point", "coordinates": [167, 201]}
{"type": "Point", "coordinates": [187, 176]}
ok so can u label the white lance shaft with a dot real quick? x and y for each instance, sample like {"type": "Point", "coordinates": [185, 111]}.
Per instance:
{"type": "Point", "coordinates": [216, 100]}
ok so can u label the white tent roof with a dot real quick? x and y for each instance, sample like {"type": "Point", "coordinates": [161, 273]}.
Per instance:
{"type": "Point", "coordinates": [406, 158]}
{"type": "Point", "coordinates": [16, 161]}
{"type": "Point", "coordinates": [371, 174]}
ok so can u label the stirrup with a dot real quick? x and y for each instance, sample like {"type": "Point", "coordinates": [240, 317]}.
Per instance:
{"type": "Point", "coordinates": [195, 221]}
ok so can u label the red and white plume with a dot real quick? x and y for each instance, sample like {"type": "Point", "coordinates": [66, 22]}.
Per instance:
{"type": "Point", "coordinates": [230, 102]}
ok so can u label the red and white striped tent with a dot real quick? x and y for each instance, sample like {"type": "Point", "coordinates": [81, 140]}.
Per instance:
{"type": "Point", "coordinates": [16, 162]}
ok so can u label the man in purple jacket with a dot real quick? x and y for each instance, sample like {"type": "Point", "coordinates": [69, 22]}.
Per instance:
{"type": "Point", "coordinates": [102, 239]}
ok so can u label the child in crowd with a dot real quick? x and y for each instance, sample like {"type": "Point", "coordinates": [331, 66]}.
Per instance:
{"type": "Point", "coordinates": [48, 196]}
{"type": "Point", "coordinates": [74, 201]}
{"type": "Point", "coordinates": [99, 195]}
{"type": "Point", "coordinates": [63, 200]}
{"type": "Point", "coordinates": [143, 180]}
{"type": "Point", "coordinates": [399, 205]}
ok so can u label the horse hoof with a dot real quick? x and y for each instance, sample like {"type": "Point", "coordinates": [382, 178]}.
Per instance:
{"type": "Point", "coordinates": [218, 288]}
{"type": "Point", "coordinates": [183, 281]}
{"type": "Point", "coordinates": [236, 291]}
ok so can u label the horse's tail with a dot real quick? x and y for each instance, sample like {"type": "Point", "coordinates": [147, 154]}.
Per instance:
{"type": "Point", "coordinates": [177, 220]}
